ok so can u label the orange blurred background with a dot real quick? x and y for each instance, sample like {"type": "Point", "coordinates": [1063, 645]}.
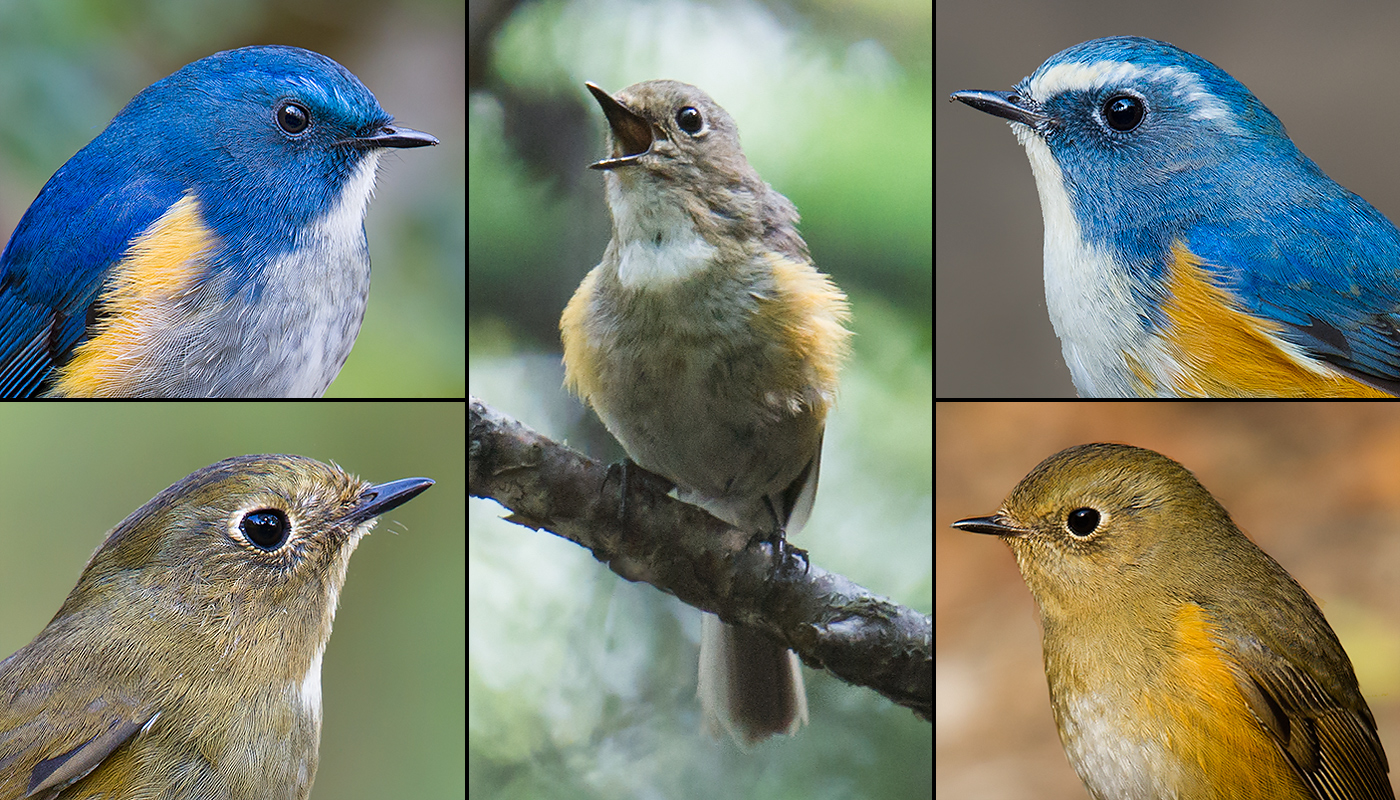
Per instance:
{"type": "Point", "coordinates": [1316, 485]}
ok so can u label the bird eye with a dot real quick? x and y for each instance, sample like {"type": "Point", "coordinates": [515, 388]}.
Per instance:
{"type": "Point", "coordinates": [1083, 521]}
{"type": "Point", "coordinates": [293, 117]}
{"type": "Point", "coordinates": [1124, 112]}
{"type": "Point", "coordinates": [690, 120]}
{"type": "Point", "coordinates": [266, 529]}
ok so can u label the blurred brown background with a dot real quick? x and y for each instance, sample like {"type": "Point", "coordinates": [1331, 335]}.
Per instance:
{"type": "Point", "coordinates": [1316, 485]}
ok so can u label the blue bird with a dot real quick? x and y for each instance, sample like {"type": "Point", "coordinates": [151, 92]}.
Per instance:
{"type": "Point", "coordinates": [209, 242]}
{"type": "Point", "coordinates": [1190, 248]}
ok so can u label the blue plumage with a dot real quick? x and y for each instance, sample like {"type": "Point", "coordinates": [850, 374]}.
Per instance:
{"type": "Point", "coordinates": [209, 242]}
{"type": "Point", "coordinates": [1191, 248]}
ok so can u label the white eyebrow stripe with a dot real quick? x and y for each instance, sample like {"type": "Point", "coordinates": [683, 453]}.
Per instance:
{"type": "Point", "coordinates": [1184, 85]}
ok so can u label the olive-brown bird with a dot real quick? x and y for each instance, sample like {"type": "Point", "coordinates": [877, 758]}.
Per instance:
{"type": "Point", "coordinates": [186, 663]}
{"type": "Point", "coordinates": [1183, 661]}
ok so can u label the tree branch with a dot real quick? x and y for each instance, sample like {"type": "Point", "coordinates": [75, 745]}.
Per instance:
{"type": "Point", "coordinates": [829, 621]}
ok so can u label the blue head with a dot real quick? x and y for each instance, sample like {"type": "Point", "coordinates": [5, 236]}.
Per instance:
{"type": "Point", "coordinates": [1153, 163]}
{"type": "Point", "coordinates": [255, 165]}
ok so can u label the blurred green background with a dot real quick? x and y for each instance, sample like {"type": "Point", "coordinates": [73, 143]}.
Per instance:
{"type": "Point", "coordinates": [393, 680]}
{"type": "Point", "coordinates": [68, 66]}
{"type": "Point", "coordinates": [833, 105]}
{"type": "Point", "coordinates": [583, 685]}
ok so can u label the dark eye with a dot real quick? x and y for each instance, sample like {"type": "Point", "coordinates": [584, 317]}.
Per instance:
{"type": "Point", "coordinates": [1124, 112]}
{"type": "Point", "coordinates": [292, 117]}
{"type": "Point", "coordinates": [1083, 521]}
{"type": "Point", "coordinates": [266, 529]}
{"type": "Point", "coordinates": [689, 120]}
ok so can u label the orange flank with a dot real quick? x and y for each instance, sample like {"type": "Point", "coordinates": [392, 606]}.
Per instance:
{"type": "Point", "coordinates": [810, 314]}
{"type": "Point", "coordinates": [1234, 744]}
{"type": "Point", "coordinates": [800, 311]}
{"type": "Point", "coordinates": [142, 299]}
{"type": "Point", "coordinates": [581, 368]}
{"type": "Point", "coordinates": [1224, 351]}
